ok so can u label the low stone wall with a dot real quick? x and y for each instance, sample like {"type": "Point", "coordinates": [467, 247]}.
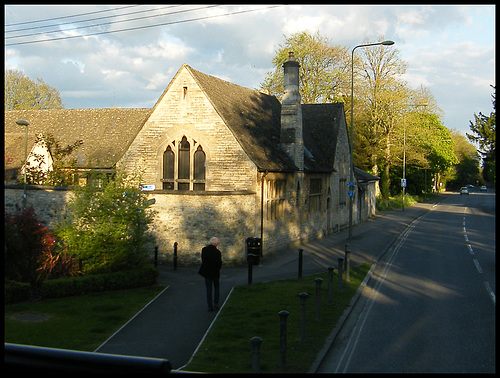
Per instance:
{"type": "Point", "coordinates": [48, 202]}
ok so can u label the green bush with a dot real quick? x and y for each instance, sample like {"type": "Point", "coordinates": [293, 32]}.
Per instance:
{"type": "Point", "coordinates": [16, 292]}
{"type": "Point", "coordinates": [93, 283]}
{"type": "Point", "coordinates": [107, 227]}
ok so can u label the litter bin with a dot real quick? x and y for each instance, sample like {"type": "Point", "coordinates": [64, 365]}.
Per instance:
{"type": "Point", "coordinates": [254, 246]}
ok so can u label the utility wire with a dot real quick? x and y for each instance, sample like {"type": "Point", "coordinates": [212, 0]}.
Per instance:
{"type": "Point", "coordinates": [75, 15]}
{"type": "Point", "coordinates": [80, 21]}
{"type": "Point", "coordinates": [114, 22]}
{"type": "Point", "coordinates": [142, 27]}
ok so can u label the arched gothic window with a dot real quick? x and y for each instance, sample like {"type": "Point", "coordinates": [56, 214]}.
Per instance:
{"type": "Point", "coordinates": [184, 164]}
{"type": "Point", "coordinates": [185, 174]}
{"type": "Point", "coordinates": [199, 169]}
{"type": "Point", "coordinates": [168, 169]}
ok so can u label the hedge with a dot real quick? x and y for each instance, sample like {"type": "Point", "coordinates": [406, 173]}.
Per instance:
{"type": "Point", "coordinates": [93, 283]}
{"type": "Point", "coordinates": [16, 292]}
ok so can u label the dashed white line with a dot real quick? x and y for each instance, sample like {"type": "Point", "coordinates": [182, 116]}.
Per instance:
{"type": "Point", "coordinates": [471, 251]}
{"type": "Point", "coordinates": [478, 267]}
{"type": "Point", "coordinates": [490, 291]}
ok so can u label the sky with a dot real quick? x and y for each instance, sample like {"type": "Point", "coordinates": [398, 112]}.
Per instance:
{"type": "Point", "coordinates": [94, 62]}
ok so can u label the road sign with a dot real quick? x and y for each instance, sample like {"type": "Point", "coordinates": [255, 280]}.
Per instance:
{"type": "Point", "coordinates": [351, 183]}
{"type": "Point", "coordinates": [147, 187]}
{"type": "Point", "coordinates": [403, 183]}
{"type": "Point", "coordinates": [350, 193]}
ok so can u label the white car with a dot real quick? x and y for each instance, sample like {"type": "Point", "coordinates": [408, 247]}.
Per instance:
{"type": "Point", "coordinates": [464, 190]}
{"type": "Point", "coordinates": [483, 188]}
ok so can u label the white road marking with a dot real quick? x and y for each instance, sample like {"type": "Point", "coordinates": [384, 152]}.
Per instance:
{"type": "Point", "coordinates": [478, 267]}
{"type": "Point", "coordinates": [490, 291]}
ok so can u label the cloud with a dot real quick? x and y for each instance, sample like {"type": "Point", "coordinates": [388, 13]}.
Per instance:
{"type": "Point", "coordinates": [449, 49]}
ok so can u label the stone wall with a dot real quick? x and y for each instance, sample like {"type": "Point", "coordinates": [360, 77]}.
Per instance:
{"type": "Point", "coordinates": [48, 202]}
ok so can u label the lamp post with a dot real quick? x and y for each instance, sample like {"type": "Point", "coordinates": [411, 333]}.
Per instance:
{"type": "Point", "coordinates": [351, 182]}
{"type": "Point", "coordinates": [22, 122]}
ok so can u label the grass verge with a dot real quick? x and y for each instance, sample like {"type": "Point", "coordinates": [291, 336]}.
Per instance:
{"type": "Point", "coordinates": [253, 311]}
{"type": "Point", "coordinates": [76, 323]}
{"type": "Point", "coordinates": [396, 202]}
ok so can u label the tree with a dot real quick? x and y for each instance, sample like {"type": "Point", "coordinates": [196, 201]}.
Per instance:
{"type": "Point", "coordinates": [484, 133]}
{"type": "Point", "coordinates": [324, 68]}
{"type": "Point", "coordinates": [382, 95]}
{"type": "Point", "coordinates": [23, 93]}
{"type": "Point", "coordinates": [467, 170]}
{"type": "Point", "coordinates": [107, 227]}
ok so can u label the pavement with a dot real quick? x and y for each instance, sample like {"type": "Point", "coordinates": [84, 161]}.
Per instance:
{"type": "Point", "coordinates": [173, 324]}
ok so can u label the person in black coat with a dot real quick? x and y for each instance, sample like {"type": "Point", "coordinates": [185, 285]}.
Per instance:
{"type": "Point", "coordinates": [211, 262]}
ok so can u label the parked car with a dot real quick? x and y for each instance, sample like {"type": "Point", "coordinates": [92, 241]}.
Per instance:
{"type": "Point", "coordinates": [483, 188]}
{"type": "Point", "coordinates": [464, 190]}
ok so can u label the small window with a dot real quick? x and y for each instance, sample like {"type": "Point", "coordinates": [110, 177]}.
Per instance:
{"type": "Point", "coordinates": [184, 159]}
{"type": "Point", "coordinates": [168, 169]}
{"type": "Point", "coordinates": [184, 93]}
{"type": "Point", "coordinates": [314, 195]}
{"type": "Point", "coordinates": [199, 169]}
{"type": "Point", "coordinates": [276, 196]}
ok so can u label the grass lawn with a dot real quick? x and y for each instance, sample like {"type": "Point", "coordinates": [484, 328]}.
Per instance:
{"type": "Point", "coordinates": [253, 311]}
{"type": "Point", "coordinates": [77, 323]}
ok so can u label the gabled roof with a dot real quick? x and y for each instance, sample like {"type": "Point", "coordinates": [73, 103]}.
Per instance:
{"type": "Point", "coordinates": [255, 120]}
{"type": "Point", "coordinates": [364, 177]}
{"type": "Point", "coordinates": [106, 133]}
{"type": "Point", "coordinates": [320, 128]}
{"type": "Point", "coordinates": [253, 117]}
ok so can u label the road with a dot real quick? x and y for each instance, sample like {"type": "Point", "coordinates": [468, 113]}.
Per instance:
{"type": "Point", "coordinates": [430, 305]}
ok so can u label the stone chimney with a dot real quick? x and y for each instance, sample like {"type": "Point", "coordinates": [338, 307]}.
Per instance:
{"type": "Point", "coordinates": [291, 113]}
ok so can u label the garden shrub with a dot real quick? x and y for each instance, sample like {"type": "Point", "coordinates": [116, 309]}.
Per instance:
{"type": "Point", "coordinates": [93, 283]}
{"type": "Point", "coordinates": [16, 292]}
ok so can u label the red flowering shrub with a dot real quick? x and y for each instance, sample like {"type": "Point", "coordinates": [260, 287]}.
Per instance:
{"type": "Point", "coordinates": [26, 240]}
{"type": "Point", "coordinates": [30, 251]}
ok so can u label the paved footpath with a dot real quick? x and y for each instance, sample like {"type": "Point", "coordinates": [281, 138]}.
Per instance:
{"type": "Point", "coordinates": [173, 324]}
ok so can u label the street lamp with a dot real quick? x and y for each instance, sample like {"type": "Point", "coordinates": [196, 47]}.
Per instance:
{"type": "Point", "coordinates": [351, 182]}
{"type": "Point", "coordinates": [22, 122]}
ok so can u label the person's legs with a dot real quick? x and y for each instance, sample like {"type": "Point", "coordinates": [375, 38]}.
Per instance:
{"type": "Point", "coordinates": [208, 284]}
{"type": "Point", "coordinates": [216, 292]}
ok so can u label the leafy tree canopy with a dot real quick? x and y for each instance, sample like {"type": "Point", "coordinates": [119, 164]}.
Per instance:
{"type": "Point", "coordinates": [20, 92]}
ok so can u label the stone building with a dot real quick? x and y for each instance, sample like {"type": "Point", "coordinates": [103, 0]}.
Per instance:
{"type": "Point", "coordinates": [219, 160]}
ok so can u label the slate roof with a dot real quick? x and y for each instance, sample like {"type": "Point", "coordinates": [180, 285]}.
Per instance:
{"type": "Point", "coordinates": [106, 133]}
{"type": "Point", "coordinates": [255, 121]}
{"type": "Point", "coordinates": [252, 116]}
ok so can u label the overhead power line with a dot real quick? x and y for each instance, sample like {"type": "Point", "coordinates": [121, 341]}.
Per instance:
{"type": "Point", "coordinates": [111, 22]}
{"type": "Point", "coordinates": [143, 27]}
{"type": "Point", "coordinates": [87, 20]}
{"type": "Point", "coordinates": [75, 15]}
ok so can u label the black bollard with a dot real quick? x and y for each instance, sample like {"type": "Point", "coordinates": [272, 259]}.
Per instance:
{"type": "Point", "coordinates": [330, 285]}
{"type": "Point", "coordinates": [341, 263]}
{"type": "Point", "coordinates": [301, 251]}
{"type": "Point", "coordinates": [175, 256]}
{"type": "Point", "coordinates": [156, 257]}
{"type": "Point", "coordinates": [347, 263]}
{"type": "Point", "coordinates": [256, 341]}
{"type": "Point", "coordinates": [250, 260]}
{"type": "Point", "coordinates": [283, 316]}
{"type": "Point", "coordinates": [318, 299]}
{"type": "Point", "coordinates": [303, 299]}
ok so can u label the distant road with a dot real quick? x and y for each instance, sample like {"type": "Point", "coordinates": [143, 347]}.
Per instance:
{"type": "Point", "coordinates": [430, 306]}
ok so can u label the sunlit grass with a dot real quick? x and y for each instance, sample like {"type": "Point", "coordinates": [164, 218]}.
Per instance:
{"type": "Point", "coordinates": [77, 323]}
{"type": "Point", "coordinates": [253, 311]}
